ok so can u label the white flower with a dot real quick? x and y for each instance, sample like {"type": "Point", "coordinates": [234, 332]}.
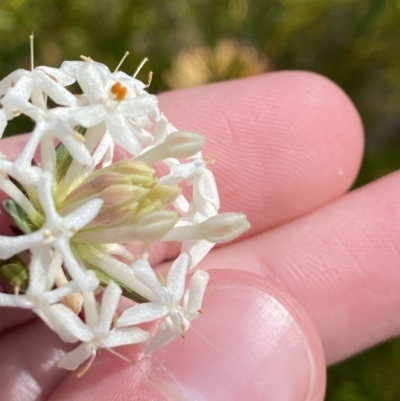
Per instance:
{"type": "Point", "coordinates": [56, 231]}
{"type": "Point", "coordinates": [115, 104]}
{"type": "Point", "coordinates": [99, 331]}
{"type": "Point", "coordinates": [169, 301]}
{"type": "Point", "coordinates": [39, 296]}
{"type": "Point", "coordinates": [31, 84]}
{"type": "Point", "coordinates": [53, 123]}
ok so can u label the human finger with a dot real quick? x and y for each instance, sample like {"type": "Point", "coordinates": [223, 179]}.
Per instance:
{"type": "Point", "coordinates": [284, 143]}
{"type": "Point", "coordinates": [340, 262]}
{"type": "Point", "coordinates": [252, 343]}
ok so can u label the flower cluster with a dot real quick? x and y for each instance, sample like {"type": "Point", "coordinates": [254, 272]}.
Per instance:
{"type": "Point", "coordinates": [85, 224]}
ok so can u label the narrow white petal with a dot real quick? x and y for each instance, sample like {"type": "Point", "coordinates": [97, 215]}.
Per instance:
{"type": "Point", "coordinates": [46, 199]}
{"type": "Point", "coordinates": [176, 277]}
{"type": "Point", "coordinates": [74, 358]}
{"type": "Point", "coordinates": [18, 301]}
{"type": "Point", "coordinates": [58, 76]}
{"type": "Point", "coordinates": [24, 87]}
{"type": "Point", "coordinates": [10, 80]}
{"type": "Point", "coordinates": [88, 116]}
{"type": "Point", "coordinates": [206, 190]}
{"type": "Point", "coordinates": [71, 68]}
{"type": "Point", "coordinates": [10, 246]}
{"type": "Point", "coordinates": [76, 148]}
{"type": "Point", "coordinates": [3, 122]}
{"type": "Point", "coordinates": [144, 272]}
{"type": "Point", "coordinates": [54, 320]}
{"type": "Point", "coordinates": [83, 215]}
{"type": "Point", "coordinates": [197, 288]}
{"type": "Point", "coordinates": [54, 90]}
{"type": "Point", "coordinates": [92, 78]}
{"type": "Point", "coordinates": [109, 304]}
{"type": "Point", "coordinates": [37, 272]}
{"type": "Point", "coordinates": [25, 157]}
{"type": "Point", "coordinates": [142, 313]}
{"type": "Point", "coordinates": [65, 317]}
{"type": "Point", "coordinates": [125, 337]}
{"type": "Point", "coordinates": [122, 134]}
{"type": "Point", "coordinates": [76, 271]}
{"type": "Point", "coordinates": [160, 339]}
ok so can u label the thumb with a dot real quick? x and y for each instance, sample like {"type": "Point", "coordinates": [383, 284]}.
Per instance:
{"type": "Point", "coordinates": [252, 343]}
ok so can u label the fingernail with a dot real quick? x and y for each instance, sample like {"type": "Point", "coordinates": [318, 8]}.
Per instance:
{"type": "Point", "coordinates": [252, 343]}
{"type": "Point", "coordinates": [248, 345]}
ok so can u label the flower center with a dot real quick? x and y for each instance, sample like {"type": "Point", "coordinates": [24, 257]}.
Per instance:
{"type": "Point", "coordinates": [119, 91]}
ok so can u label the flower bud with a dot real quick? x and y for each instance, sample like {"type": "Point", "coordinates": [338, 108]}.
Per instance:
{"type": "Point", "coordinates": [179, 144]}
{"type": "Point", "coordinates": [155, 225]}
{"type": "Point", "coordinates": [221, 228]}
{"type": "Point", "coordinates": [164, 193]}
{"type": "Point", "coordinates": [119, 194]}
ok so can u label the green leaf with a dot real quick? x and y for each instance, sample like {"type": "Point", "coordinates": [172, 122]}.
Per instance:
{"type": "Point", "coordinates": [16, 274]}
{"type": "Point", "coordinates": [63, 161]}
{"type": "Point", "coordinates": [18, 216]}
{"type": "Point", "coordinates": [80, 129]}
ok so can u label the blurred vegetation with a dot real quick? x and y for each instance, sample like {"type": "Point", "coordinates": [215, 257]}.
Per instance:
{"type": "Point", "coordinates": [190, 42]}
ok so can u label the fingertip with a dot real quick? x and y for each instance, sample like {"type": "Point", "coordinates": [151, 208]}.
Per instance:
{"type": "Point", "coordinates": [252, 343]}
{"type": "Point", "coordinates": [288, 141]}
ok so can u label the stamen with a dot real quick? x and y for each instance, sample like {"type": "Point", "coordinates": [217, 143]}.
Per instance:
{"type": "Point", "coordinates": [31, 38]}
{"type": "Point", "coordinates": [79, 136]}
{"type": "Point", "coordinates": [122, 60]}
{"type": "Point", "coordinates": [119, 355]}
{"type": "Point", "coordinates": [144, 61]}
{"type": "Point", "coordinates": [85, 58]}
{"type": "Point", "coordinates": [116, 88]}
{"type": "Point", "coordinates": [119, 91]}
{"type": "Point", "coordinates": [205, 339]}
{"type": "Point", "coordinates": [87, 366]}
{"type": "Point", "coordinates": [149, 79]}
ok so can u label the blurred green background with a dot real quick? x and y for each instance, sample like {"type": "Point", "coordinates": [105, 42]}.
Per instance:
{"type": "Point", "coordinates": [356, 43]}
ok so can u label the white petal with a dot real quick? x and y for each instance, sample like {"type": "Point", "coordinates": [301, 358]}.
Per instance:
{"type": "Point", "coordinates": [18, 301]}
{"type": "Point", "coordinates": [92, 78]}
{"type": "Point", "coordinates": [121, 133]}
{"type": "Point", "coordinates": [88, 116]}
{"type": "Point", "coordinates": [206, 191]}
{"type": "Point", "coordinates": [176, 277]}
{"type": "Point", "coordinates": [71, 68]}
{"type": "Point", "coordinates": [10, 80]}
{"type": "Point", "coordinates": [76, 271]}
{"type": "Point", "coordinates": [139, 106]}
{"type": "Point", "coordinates": [160, 339]}
{"type": "Point", "coordinates": [37, 273]}
{"type": "Point", "coordinates": [125, 337]}
{"type": "Point", "coordinates": [24, 159]}
{"type": "Point", "coordinates": [10, 246]}
{"type": "Point", "coordinates": [3, 122]}
{"type": "Point", "coordinates": [90, 309]}
{"type": "Point", "coordinates": [75, 147]}
{"type": "Point", "coordinates": [24, 87]}
{"type": "Point", "coordinates": [45, 190]}
{"type": "Point", "coordinates": [144, 272]}
{"type": "Point", "coordinates": [142, 313]}
{"type": "Point", "coordinates": [195, 294]}
{"type": "Point", "coordinates": [80, 217]}
{"type": "Point", "coordinates": [109, 304]}
{"type": "Point", "coordinates": [65, 317]}
{"type": "Point", "coordinates": [54, 90]}
{"type": "Point", "coordinates": [197, 250]}
{"type": "Point", "coordinates": [74, 358]}
{"type": "Point", "coordinates": [63, 78]}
